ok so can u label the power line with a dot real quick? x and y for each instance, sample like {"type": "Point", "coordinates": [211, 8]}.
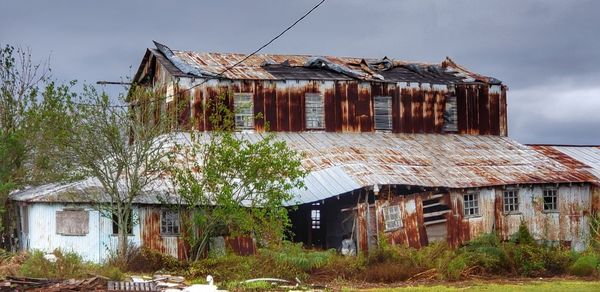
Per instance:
{"type": "Point", "coordinates": [220, 75]}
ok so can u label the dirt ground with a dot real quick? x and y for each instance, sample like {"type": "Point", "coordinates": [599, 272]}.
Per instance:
{"type": "Point", "coordinates": [486, 283]}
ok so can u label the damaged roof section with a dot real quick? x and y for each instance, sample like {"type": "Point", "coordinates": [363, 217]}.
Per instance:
{"type": "Point", "coordinates": [309, 67]}
{"type": "Point", "coordinates": [585, 158]}
{"type": "Point", "coordinates": [339, 163]}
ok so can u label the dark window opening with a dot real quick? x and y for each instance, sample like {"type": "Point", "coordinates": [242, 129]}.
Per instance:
{"type": "Point", "coordinates": [315, 217]}
{"type": "Point", "coordinates": [115, 226]}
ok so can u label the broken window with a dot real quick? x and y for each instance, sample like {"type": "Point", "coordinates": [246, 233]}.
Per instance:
{"type": "Point", "coordinates": [511, 201]}
{"type": "Point", "coordinates": [391, 216]}
{"type": "Point", "coordinates": [315, 217]}
{"type": "Point", "coordinates": [383, 112]}
{"type": "Point", "coordinates": [169, 222]}
{"type": "Point", "coordinates": [72, 222]}
{"type": "Point", "coordinates": [315, 113]}
{"type": "Point", "coordinates": [550, 200]}
{"type": "Point", "coordinates": [450, 115]}
{"type": "Point", "coordinates": [115, 225]}
{"type": "Point", "coordinates": [244, 111]}
{"type": "Point", "coordinates": [471, 204]}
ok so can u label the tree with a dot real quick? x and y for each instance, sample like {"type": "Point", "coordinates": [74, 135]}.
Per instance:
{"type": "Point", "coordinates": [34, 120]}
{"type": "Point", "coordinates": [230, 184]}
{"type": "Point", "coordinates": [123, 149]}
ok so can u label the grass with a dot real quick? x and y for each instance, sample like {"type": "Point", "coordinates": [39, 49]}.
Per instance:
{"type": "Point", "coordinates": [542, 286]}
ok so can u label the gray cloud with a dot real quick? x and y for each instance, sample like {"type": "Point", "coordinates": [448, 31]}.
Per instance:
{"type": "Point", "coordinates": [546, 51]}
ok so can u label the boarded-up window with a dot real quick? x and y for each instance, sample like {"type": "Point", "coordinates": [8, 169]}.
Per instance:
{"type": "Point", "coordinates": [169, 222]}
{"type": "Point", "coordinates": [383, 112]}
{"type": "Point", "coordinates": [471, 204]}
{"type": "Point", "coordinates": [244, 111]}
{"type": "Point", "coordinates": [72, 222]}
{"type": "Point", "coordinates": [391, 216]}
{"type": "Point", "coordinates": [315, 113]}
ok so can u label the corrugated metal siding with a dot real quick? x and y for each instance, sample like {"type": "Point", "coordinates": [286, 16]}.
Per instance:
{"type": "Point", "coordinates": [349, 105]}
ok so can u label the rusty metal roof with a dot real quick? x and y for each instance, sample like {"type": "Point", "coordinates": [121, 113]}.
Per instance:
{"type": "Point", "coordinates": [586, 158]}
{"type": "Point", "coordinates": [341, 162]}
{"type": "Point", "coordinates": [310, 67]}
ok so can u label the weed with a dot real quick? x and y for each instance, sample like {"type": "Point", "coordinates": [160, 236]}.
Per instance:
{"type": "Point", "coordinates": [585, 265]}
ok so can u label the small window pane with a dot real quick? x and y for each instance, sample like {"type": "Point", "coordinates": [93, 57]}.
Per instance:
{"type": "Point", "coordinates": [315, 113]}
{"type": "Point", "coordinates": [391, 215]}
{"type": "Point", "coordinates": [169, 222]}
{"type": "Point", "coordinates": [471, 204]}
{"type": "Point", "coordinates": [244, 111]}
{"type": "Point", "coordinates": [315, 216]}
{"type": "Point", "coordinates": [550, 200]}
{"type": "Point", "coordinates": [383, 112]}
{"type": "Point", "coordinates": [511, 201]}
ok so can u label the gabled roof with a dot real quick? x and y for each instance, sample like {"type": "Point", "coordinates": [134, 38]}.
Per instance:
{"type": "Point", "coordinates": [343, 162]}
{"type": "Point", "coordinates": [308, 67]}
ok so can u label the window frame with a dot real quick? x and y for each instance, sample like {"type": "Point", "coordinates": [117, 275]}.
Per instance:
{"type": "Point", "coordinates": [474, 209]}
{"type": "Point", "coordinates": [243, 118]}
{"type": "Point", "coordinates": [553, 197]}
{"type": "Point", "coordinates": [84, 217]}
{"type": "Point", "coordinates": [392, 223]}
{"type": "Point", "coordinates": [514, 203]}
{"type": "Point", "coordinates": [172, 225]}
{"type": "Point", "coordinates": [387, 100]}
{"type": "Point", "coordinates": [315, 216]}
{"type": "Point", "coordinates": [318, 115]}
{"type": "Point", "coordinates": [115, 226]}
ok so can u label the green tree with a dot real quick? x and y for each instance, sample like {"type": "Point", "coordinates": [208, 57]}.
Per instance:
{"type": "Point", "coordinates": [230, 184]}
{"type": "Point", "coordinates": [34, 120]}
{"type": "Point", "coordinates": [123, 149]}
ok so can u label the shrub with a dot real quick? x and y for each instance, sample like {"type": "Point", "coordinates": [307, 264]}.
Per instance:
{"type": "Point", "coordinates": [529, 260]}
{"type": "Point", "coordinates": [523, 236]}
{"type": "Point", "coordinates": [585, 265]}
{"type": "Point", "coordinates": [67, 265]}
{"type": "Point", "coordinates": [558, 259]}
{"type": "Point", "coordinates": [486, 252]}
{"type": "Point", "coordinates": [455, 268]}
{"type": "Point", "coordinates": [146, 260]}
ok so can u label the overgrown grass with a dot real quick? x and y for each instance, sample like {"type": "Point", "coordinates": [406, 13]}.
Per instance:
{"type": "Point", "coordinates": [542, 286]}
{"type": "Point", "coordinates": [65, 265]}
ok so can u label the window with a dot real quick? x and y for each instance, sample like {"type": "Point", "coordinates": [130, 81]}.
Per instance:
{"type": "Point", "coordinates": [550, 200]}
{"type": "Point", "coordinates": [72, 222]}
{"type": "Point", "coordinates": [169, 222]}
{"type": "Point", "coordinates": [315, 114]}
{"type": "Point", "coordinates": [115, 219]}
{"type": "Point", "coordinates": [471, 204]}
{"type": "Point", "coordinates": [450, 115]}
{"type": "Point", "coordinates": [383, 112]}
{"type": "Point", "coordinates": [391, 216]}
{"type": "Point", "coordinates": [244, 111]}
{"type": "Point", "coordinates": [315, 217]}
{"type": "Point", "coordinates": [511, 201]}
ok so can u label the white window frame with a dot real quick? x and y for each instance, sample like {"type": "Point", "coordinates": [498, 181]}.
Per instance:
{"type": "Point", "coordinates": [314, 109]}
{"type": "Point", "coordinates": [243, 106]}
{"type": "Point", "coordinates": [552, 194]}
{"type": "Point", "coordinates": [169, 222]}
{"type": "Point", "coordinates": [382, 111]}
{"type": "Point", "coordinates": [510, 201]}
{"type": "Point", "coordinates": [391, 217]}
{"type": "Point", "coordinates": [471, 204]}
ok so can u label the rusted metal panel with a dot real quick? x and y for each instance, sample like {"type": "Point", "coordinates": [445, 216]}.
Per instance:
{"type": "Point", "coordinates": [241, 245]}
{"type": "Point", "coordinates": [503, 113]}
{"type": "Point", "coordinates": [282, 104]}
{"type": "Point", "coordinates": [494, 102]}
{"type": "Point", "coordinates": [428, 109]}
{"type": "Point", "coordinates": [364, 108]}
{"type": "Point", "coordinates": [484, 110]}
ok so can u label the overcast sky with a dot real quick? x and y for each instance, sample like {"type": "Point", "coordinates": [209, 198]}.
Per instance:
{"type": "Point", "coordinates": [547, 52]}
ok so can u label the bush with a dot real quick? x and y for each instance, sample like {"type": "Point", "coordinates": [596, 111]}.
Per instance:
{"type": "Point", "coordinates": [455, 268]}
{"type": "Point", "coordinates": [146, 260]}
{"type": "Point", "coordinates": [529, 260]}
{"type": "Point", "coordinates": [68, 265]}
{"type": "Point", "coordinates": [585, 265]}
{"type": "Point", "coordinates": [523, 236]}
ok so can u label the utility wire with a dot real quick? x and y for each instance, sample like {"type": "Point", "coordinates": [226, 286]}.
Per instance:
{"type": "Point", "coordinates": [220, 75]}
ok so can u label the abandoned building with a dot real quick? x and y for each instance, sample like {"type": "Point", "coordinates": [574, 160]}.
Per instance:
{"type": "Point", "coordinates": [412, 151]}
